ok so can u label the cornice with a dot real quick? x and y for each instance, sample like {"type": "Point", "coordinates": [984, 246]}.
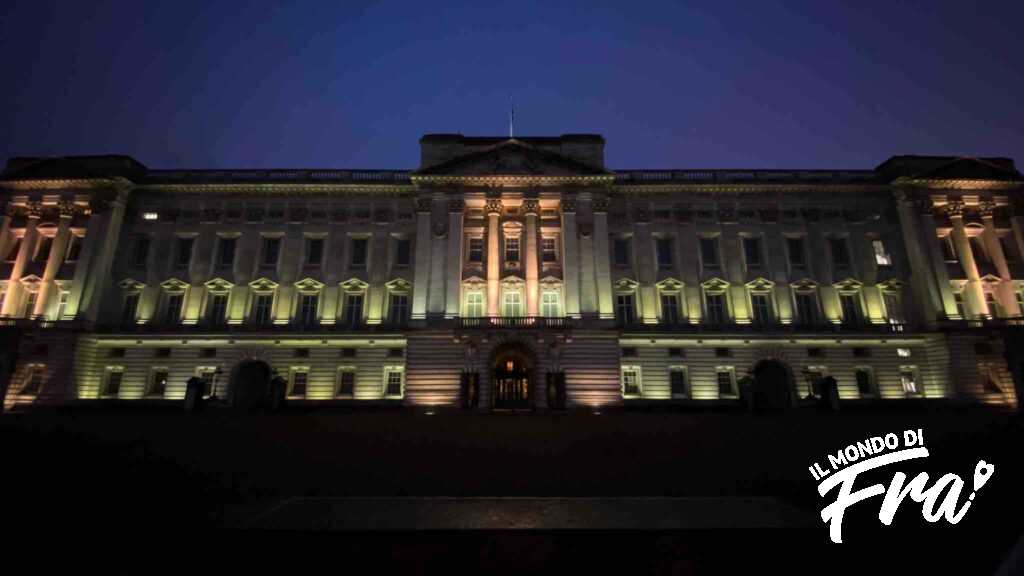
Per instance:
{"type": "Point", "coordinates": [959, 184]}
{"type": "Point", "coordinates": [280, 189]}
{"type": "Point", "coordinates": [66, 184]}
{"type": "Point", "coordinates": [513, 180]}
{"type": "Point", "coordinates": [746, 188]}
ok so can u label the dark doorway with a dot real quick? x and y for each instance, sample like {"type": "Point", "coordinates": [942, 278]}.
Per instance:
{"type": "Point", "coordinates": [512, 378]}
{"type": "Point", "coordinates": [250, 383]}
{"type": "Point", "coordinates": [773, 386]}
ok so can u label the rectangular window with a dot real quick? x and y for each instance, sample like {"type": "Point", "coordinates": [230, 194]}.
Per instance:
{"type": "Point", "coordinates": [346, 383]}
{"type": "Point", "coordinates": [359, 247]}
{"type": "Point", "coordinates": [678, 382]}
{"type": "Point", "coordinates": [549, 304]}
{"type": "Point", "coordinates": [12, 254]}
{"type": "Point", "coordinates": [670, 309]}
{"type": "Point", "coordinates": [812, 377]}
{"type": "Point", "coordinates": [183, 252]}
{"type": "Point", "coordinates": [402, 251]}
{"type": "Point", "coordinates": [112, 386]}
{"type": "Point", "coordinates": [261, 307]}
{"type": "Point", "coordinates": [129, 310]}
{"type": "Point", "coordinates": [30, 305]}
{"type": "Point", "coordinates": [549, 250]}
{"type": "Point", "coordinates": [140, 250]}
{"type": "Point", "coordinates": [353, 309]}
{"type": "Point", "coordinates": [715, 304]}
{"type": "Point", "coordinates": [45, 246]}
{"type": "Point", "coordinates": [513, 304]}
{"type": "Point", "coordinates": [851, 309]}
{"type": "Point", "coordinates": [271, 250]}
{"type": "Point", "coordinates": [948, 249]}
{"type": "Point", "coordinates": [172, 312]}
{"type": "Point", "coordinates": [216, 309]}
{"type": "Point", "coordinates": [893, 307]}
{"type": "Point", "coordinates": [761, 305]}
{"type": "Point", "coordinates": [476, 250]}
{"type": "Point", "coordinates": [908, 379]}
{"type": "Point", "coordinates": [961, 309]}
{"type": "Point", "coordinates": [314, 251]}
{"type": "Point", "coordinates": [226, 252]}
{"type": "Point", "coordinates": [74, 248]}
{"type": "Point", "coordinates": [394, 381]}
{"type": "Point", "coordinates": [865, 381]}
{"type": "Point", "coordinates": [511, 249]}
{"type": "Point", "coordinates": [752, 252]}
{"type": "Point", "coordinates": [882, 257]}
{"type": "Point", "coordinates": [631, 385]}
{"type": "Point", "coordinates": [299, 379]}
{"type": "Point", "coordinates": [398, 309]}
{"type": "Point", "coordinates": [207, 374]}
{"type": "Point", "coordinates": [33, 380]}
{"type": "Point", "coordinates": [474, 304]}
{"type": "Point", "coordinates": [663, 247]}
{"type": "Point", "coordinates": [62, 304]}
{"type": "Point", "coordinates": [157, 382]}
{"type": "Point", "coordinates": [308, 304]}
{"type": "Point", "coordinates": [725, 377]}
{"type": "Point", "coordinates": [840, 252]}
{"type": "Point", "coordinates": [992, 305]}
{"type": "Point", "coordinates": [797, 254]}
{"type": "Point", "coordinates": [1019, 294]}
{"type": "Point", "coordinates": [806, 308]}
{"type": "Point", "coordinates": [709, 252]}
{"type": "Point", "coordinates": [622, 251]}
{"type": "Point", "coordinates": [624, 310]}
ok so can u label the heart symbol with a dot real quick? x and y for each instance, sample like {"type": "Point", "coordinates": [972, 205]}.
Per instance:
{"type": "Point", "coordinates": [982, 472]}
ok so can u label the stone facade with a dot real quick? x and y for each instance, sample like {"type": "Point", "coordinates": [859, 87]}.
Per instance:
{"type": "Point", "coordinates": [512, 263]}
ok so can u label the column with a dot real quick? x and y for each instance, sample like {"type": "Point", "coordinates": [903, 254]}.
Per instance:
{"type": "Point", "coordinates": [646, 269]}
{"type": "Point", "coordinates": [531, 208]}
{"type": "Point", "coordinates": [453, 291]}
{"type": "Point", "coordinates": [13, 300]}
{"type": "Point", "coordinates": [925, 282]}
{"type": "Point", "coordinates": [974, 291]}
{"type": "Point", "coordinates": [588, 285]}
{"type": "Point", "coordinates": [57, 252]}
{"type": "Point", "coordinates": [602, 257]}
{"type": "Point", "coordinates": [103, 244]}
{"type": "Point", "coordinates": [438, 251]}
{"type": "Point", "coordinates": [930, 237]}
{"type": "Point", "coordinates": [5, 228]}
{"type": "Point", "coordinates": [378, 274]}
{"type": "Point", "coordinates": [421, 267]}
{"type": "Point", "coordinates": [493, 209]}
{"type": "Point", "coordinates": [1007, 298]}
{"type": "Point", "coordinates": [570, 257]}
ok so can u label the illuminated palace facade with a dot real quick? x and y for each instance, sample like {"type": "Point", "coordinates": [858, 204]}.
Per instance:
{"type": "Point", "coordinates": [502, 269]}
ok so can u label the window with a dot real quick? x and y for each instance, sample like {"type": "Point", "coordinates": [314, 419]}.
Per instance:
{"type": "Point", "coordinates": [631, 386]}
{"type": "Point", "coordinates": [752, 251]}
{"type": "Point", "coordinates": [908, 379]}
{"type": "Point", "coordinates": [474, 304]}
{"type": "Point", "coordinates": [308, 304]}
{"type": "Point", "coordinates": [513, 304]}
{"type": "Point", "coordinates": [663, 247]}
{"type": "Point", "coordinates": [761, 305]}
{"type": "Point", "coordinates": [12, 254]}
{"type": "Point", "coordinates": [226, 252]}
{"type": "Point", "coordinates": [314, 251]}
{"type": "Point", "coordinates": [112, 385]}
{"type": "Point", "coordinates": [677, 382]}
{"type": "Point", "coordinates": [30, 304]}
{"type": "Point", "coordinates": [398, 309]}
{"type": "Point", "coordinates": [882, 258]}
{"type": "Point", "coordinates": [208, 374]}
{"type": "Point", "coordinates": [216, 309]}
{"type": "Point", "coordinates": [150, 216]}
{"type": "Point", "coordinates": [394, 381]}
{"type": "Point", "coordinates": [402, 251]}
{"type": "Point", "coordinates": [476, 250]}
{"type": "Point", "coordinates": [33, 380]}
{"type": "Point", "coordinates": [1020, 300]}
{"type": "Point", "coordinates": [353, 309]}
{"type": "Point", "coordinates": [622, 251]}
{"type": "Point", "coordinates": [172, 308]}
{"type": "Point", "coordinates": [797, 254]}
{"type": "Point", "coordinates": [512, 249]}
{"type": "Point", "coordinates": [129, 309]}
{"type": "Point", "coordinates": [624, 311]}
{"type": "Point", "coordinates": [261, 307]}
{"type": "Point", "coordinates": [893, 307]}
{"type": "Point", "coordinates": [299, 378]}
{"type": "Point", "coordinates": [840, 252]}
{"type": "Point", "coordinates": [183, 252]}
{"type": "Point", "coordinates": [549, 252]}
{"type": "Point", "coordinates": [157, 382]}
{"type": "Point", "coordinates": [961, 309]}
{"type": "Point", "coordinates": [140, 250]}
{"type": "Point", "coordinates": [74, 248]}
{"type": "Point", "coordinates": [806, 308]}
{"type": "Point", "coordinates": [978, 248]}
{"type": "Point", "coordinates": [903, 352]}
{"type": "Point", "coordinates": [549, 304]}
{"type": "Point", "coordinates": [709, 252]}
{"type": "Point", "coordinates": [271, 250]}
{"type": "Point", "coordinates": [359, 246]}
{"type": "Point", "coordinates": [346, 383]}
{"type": "Point", "coordinates": [726, 379]}
{"type": "Point", "coordinates": [813, 375]}
{"type": "Point", "coordinates": [670, 309]}
{"type": "Point", "coordinates": [715, 304]}
{"type": "Point", "coordinates": [992, 305]}
{"type": "Point", "coordinates": [948, 250]}
{"type": "Point", "coordinates": [62, 304]}
{"type": "Point", "coordinates": [45, 246]}
{"type": "Point", "coordinates": [851, 309]}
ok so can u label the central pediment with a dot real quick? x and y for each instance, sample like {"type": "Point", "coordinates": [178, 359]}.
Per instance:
{"type": "Point", "coordinates": [510, 157]}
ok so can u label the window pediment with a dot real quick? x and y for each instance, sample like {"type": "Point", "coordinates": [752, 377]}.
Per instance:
{"type": "Point", "coordinates": [263, 285]}
{"type": "Point", "coordinates": [760, 285]}
{"type": "Point", "coordinates": [625, 285]}
{"type": "Point", "coordinates": [550, 283]}
{"type": "Point", "coordinates": [130, 285]}
{"type": "Point", "coordinates": [715, 285]}
{"type": "Point", "coordinates": [512, 228]}
{"type": "Point", "coordinates": [174, 285]}
{"type": "Point", "coordinates": [354, 285]}
{"type": "Point", "coordinates": [474, 283]}
{"type": "Point", "coordinates": [218, 286]}
{"type": "Point", "coordinates": [309, 286]}
{"type": "Point", "coordinates": [670, 285]}
{"type": "Point", "coordinates": [31, 282]}
{"type": "Point", "coordinates": [398, 285]}
{"type": "Point", "coordinates": [892, 285]}
{"type": "Point", "coordinates": [991, 279]}
{"type": "Point", "coordinates": [848, 286]}
{"type": "Point", "coordinates": [512, 282]}
{"type": "Point", "coordinates": [804, 285]}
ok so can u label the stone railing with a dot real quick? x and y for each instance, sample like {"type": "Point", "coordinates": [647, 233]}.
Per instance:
{"type": "Point", "coordinates": [311, 176]}
{"type": "Point", "coordinates": [743, 176]}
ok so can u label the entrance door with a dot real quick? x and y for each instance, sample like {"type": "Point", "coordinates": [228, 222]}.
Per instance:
{"type": "Point", "coordinates": [511, 385]}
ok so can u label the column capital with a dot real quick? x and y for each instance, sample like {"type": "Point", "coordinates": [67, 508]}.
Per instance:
{"type": "Point", "coordinates": [531, 206]}
{"type": "Point", "coordinates": [987, 208]}
{"type": "Point", "coordinates": [34, 210]}
{"type": "Point", "coordinates": [600, 203]}
{"type": "Point", "coordinates": [456, 205]}
{"type": "Point", "coordinates": [954, 209]}
{"type": "Point", "coordinates": [66, 209]}
{"type": "Point", "coordinates": [424, 204]}
{"type": "Point", "coordinates": [493, 206]}
{"type": "Point", "coordinates": [568, 204]}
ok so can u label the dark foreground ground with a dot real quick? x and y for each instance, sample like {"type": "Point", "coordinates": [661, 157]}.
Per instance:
{"type": "Point", "coordinates": [139, 490]}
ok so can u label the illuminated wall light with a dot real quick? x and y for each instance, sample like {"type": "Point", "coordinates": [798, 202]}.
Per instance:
{"type": "Point", "coordinates": [150, 216]}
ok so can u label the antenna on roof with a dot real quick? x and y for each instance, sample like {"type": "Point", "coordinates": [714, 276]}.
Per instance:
{"type": "Point", "coordinates": [511, 118]}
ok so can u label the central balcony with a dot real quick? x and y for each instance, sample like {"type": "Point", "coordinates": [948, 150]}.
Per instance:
{"type": "Point", "coordinates": [516, 322]}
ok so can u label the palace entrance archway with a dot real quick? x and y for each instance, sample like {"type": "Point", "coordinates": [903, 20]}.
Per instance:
{"type": "Point", "coordinates": [773, 386]}
{"type": "Point", "coordinates": [512, 373]}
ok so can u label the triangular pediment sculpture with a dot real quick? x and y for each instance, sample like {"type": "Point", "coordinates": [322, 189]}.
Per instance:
{"type": "Point", "coordinates": [511, 158]}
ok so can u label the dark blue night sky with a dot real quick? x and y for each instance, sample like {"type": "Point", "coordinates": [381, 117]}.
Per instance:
{"type": "Point", "coordinates": [354, 84]}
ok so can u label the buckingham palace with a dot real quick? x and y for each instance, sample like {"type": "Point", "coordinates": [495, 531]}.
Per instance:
{"type": "Point", "coordinates": [512, 274]}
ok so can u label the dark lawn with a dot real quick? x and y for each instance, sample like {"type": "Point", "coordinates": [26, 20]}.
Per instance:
{"type": "Point", "coordinates": [161, 471]}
